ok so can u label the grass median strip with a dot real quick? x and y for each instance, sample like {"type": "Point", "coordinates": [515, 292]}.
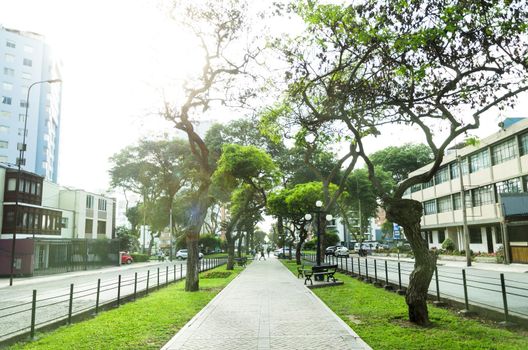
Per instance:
{"type": "Point", "coordinates": [147, 323]}
{"type": "Point", "coordinates": [380, 318]}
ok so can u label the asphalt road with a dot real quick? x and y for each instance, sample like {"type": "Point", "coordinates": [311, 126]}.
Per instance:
{"type": "Point", "coordinates": [53, 292]}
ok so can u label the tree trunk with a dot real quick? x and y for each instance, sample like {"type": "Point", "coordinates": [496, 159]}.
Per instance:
{"type": "Point", "coordinates": [197, 217]}
{"type": "Point", "coordinates": [407, 213]}
{"type": "Point", "coordinates": [230, 254]}
{"type": "Point", "coordinates": [302, 237]}
{"type": "Point", "coordinates": [239, 246]}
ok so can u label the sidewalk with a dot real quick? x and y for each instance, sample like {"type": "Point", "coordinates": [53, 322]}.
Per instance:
{"type": "Point", "coordinates": [266, 307]}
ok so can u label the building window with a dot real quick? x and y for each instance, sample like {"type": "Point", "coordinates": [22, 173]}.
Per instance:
{"type": "Point", "coordinates": [430, 236]}
{"type": "Point", "coordinates": [4, 144]}
{"type": "Point", "coordinates": [428, 184]}
{"type": "Point", "coordinates": [498, 235]}
{"type": "Point", "coordinates": [89, 202]}
{"type": "Point", "coordinates": [456, 201]}
{"type": "Point", "coordinates": [523, 140]}
{"type": "Point", "coordinates": [88, 226]}
{"type": "Point", "coordinates": [509, 186]}
{"type": "Point", "coordinates": [441, 237]}
{"type": "Point", "coordinates": [429, 207]}
{"type": "Point", "coordinates": [21, 118]}
{"type": "Point", "coordinates": [10, 72]}
{"type": "Point", "coordinates": [27, 62]}
{"type": "Point", "coordinates": [5, 114]}
{"type": "Point", "coordinates": [482, 195]}
{"type": "Point", "coordinates": [442, 175]}
{"type": "Point", "coordinates": [101, 204]}
{"type": "Point", "coordinates": [6, 100]}
{"type": "Point", "coordinates": [475, 236]}
{"type": "Point", "coordinates": [4, 129]}
{"type": "Point", "coordinates": [416, 188]}
{"type": "Point", "coordinates": [23, 103]}
{"type": "Point", "coordinates": [3, 159]}
{"type": "Point", "coordinates": [26, 76]}
{"type": "Point", "coordinates": [9, 58]}
{"type": "Point", "coordinates": [444, 204]}
{"type": "Point", "coordinates": [10, 44]}
{"type": "Point", "coordinates": [101, 227]}
{"type": "Point", "coordinates": [21, 132]}
{"type": "Point", "coordinates": [479, 161]}
{"type": "Point", "coordinates": [28, 49]}
{"type": "Point", "coordinates": [7, 86]}
{"type": "Point", "coordinates": [503, 151]}
{"type": "Point", "coordinates": [64, 222]}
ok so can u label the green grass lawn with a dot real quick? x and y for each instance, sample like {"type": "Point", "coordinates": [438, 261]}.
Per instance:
{"type": "Point", "coordinates": [147, 323]}
{"type": "Point", "coordinates": [380, 318]}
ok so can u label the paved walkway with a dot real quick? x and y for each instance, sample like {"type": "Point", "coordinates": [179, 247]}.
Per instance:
{"type": "Point", "coordinates": [266, 307]}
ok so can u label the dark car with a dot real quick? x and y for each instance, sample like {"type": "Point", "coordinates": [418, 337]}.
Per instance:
{"type": "Point", "coordinates": [330, 250]}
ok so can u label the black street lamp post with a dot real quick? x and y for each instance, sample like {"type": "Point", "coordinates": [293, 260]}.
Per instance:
{"type": "Point", "coordinates": [318, 211]}
{"type": "Point", "coordinates": [21, 161]}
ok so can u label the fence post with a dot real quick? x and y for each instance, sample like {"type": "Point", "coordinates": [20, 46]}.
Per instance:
{"type": "Point", "coordinates": [97, 296]}
{"type": "Point", "coordinates": [70, 307]}
{"type": "Point", "coordinates": [148, 279]}
{"type": "Point", "coordinates": [158, 279]}
{"type": "Point", "coordinates": [506, 322]}
{"type": "Point", "coordinates": [466, 302]}
{"type": "Point", "coordinates": [167, 275]}
{"type": "Point", "coordinates": [181, 271]}
{"type": "Point", "coordinates": [135, 285]}
{"type": "Point", "coordinates": [367, 279]}
{"type": "Point", "coordinates": [400, 291]}
{"type": "Point", "coordinates": [33, 313]}
{"type": "Point", "coordinates": [174, 272]}
{"type": "Point", "coordinates": [346, 264]}
{"type": "Point", "coordinates": [376, 273]}
{"type": "Point", "coordinates": [359, 269]}
{"type": "Point", "coordinates": [352, 265]}
{"type": "Point", "coordinates": [387, 286]}
{"type": "Point", "coordinates": [118, 290]}
{"type": "Point", "coordinates": [437, 302]}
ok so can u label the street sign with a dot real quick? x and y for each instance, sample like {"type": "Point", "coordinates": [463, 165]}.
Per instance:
{"type": "Point", "coordinates": [396, 231]}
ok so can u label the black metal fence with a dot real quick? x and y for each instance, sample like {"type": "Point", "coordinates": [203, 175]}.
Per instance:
{"type": "Point", "coordinates": [475, 289]}
{"type": "Point", "coordinates": [64, 255]}
{"type": "Point", "coordinates": [52, 309]}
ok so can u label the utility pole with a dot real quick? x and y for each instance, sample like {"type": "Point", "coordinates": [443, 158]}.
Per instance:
{"type": "Point", "coordinates": [464, 213]}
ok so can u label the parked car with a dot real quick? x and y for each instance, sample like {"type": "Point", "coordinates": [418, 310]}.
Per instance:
{"type": "Point", "coordinates": [330, 250]}
{"type": "Point", "coordinates": [341, 251]}
{"type": "Point", "coordinates": [286, 253]}
{"type": "Point", "coordinates": [182, 254]}
{"type": "Point", "coordinates": [126, 258]}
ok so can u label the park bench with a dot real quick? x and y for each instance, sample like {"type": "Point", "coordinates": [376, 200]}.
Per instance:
{"type": "Point", "coordinates": [324, 270]}
{"type": "Point", "coordinates": [301, 271]}
{"type": "Point", "coordinates": [241, 261]}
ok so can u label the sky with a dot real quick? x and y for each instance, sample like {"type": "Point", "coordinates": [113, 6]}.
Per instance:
{"type": "Point", "coordinates": [120, 57]}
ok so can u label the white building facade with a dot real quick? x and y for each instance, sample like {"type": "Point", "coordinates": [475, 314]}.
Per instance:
{"type": "Point", "coordinates": [25, 58]}
{"type": "Point", "coordinates": [498, 164]}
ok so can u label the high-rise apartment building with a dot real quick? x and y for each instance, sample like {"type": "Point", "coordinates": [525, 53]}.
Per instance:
{"type": "Point", "coordinates": [25, 58]}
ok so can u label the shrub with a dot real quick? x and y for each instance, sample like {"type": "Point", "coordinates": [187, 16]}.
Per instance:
{"type": "Point", "coordinates": [448, 245]}
{"type": "Point", "coordinates": [500, 255]}
{"type": "Point", "coordinates": [309, 245]}
{"type": "Point", "coordinates": [216, 274]}
{"type": "Point", "coordinates": [139, 257]}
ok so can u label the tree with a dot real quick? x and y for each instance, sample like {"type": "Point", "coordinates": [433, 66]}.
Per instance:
{"type": "Point", "coordinates": [128, 239]}
{"type": "Point", "coordinates": [402, 160]}
{"type": "Point", "coordinates": [420, 63]}
{"type": "Point", "coordinates": [217, 27]}
{"type": "Point", "coordinates": [293, 204]}
{"type": "Point", "coordinates": [242, 179]}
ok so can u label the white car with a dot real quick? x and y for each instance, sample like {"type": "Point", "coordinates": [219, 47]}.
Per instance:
{"type": "Point", "coordinates": [341, 251]}
{"type": "Point", "coordinates": [182, 254]}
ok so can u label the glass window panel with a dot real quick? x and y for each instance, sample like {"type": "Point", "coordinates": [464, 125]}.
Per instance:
{"type": "Point", "coordinates": [479, 161]}
{"type": "Point", "coordinates": [503, 151]}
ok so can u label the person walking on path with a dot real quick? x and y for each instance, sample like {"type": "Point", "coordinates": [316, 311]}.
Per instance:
{"type": "Point", "coordinates": [268, 250]}
{"type": "Point", "coordinates": [262, 255]}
